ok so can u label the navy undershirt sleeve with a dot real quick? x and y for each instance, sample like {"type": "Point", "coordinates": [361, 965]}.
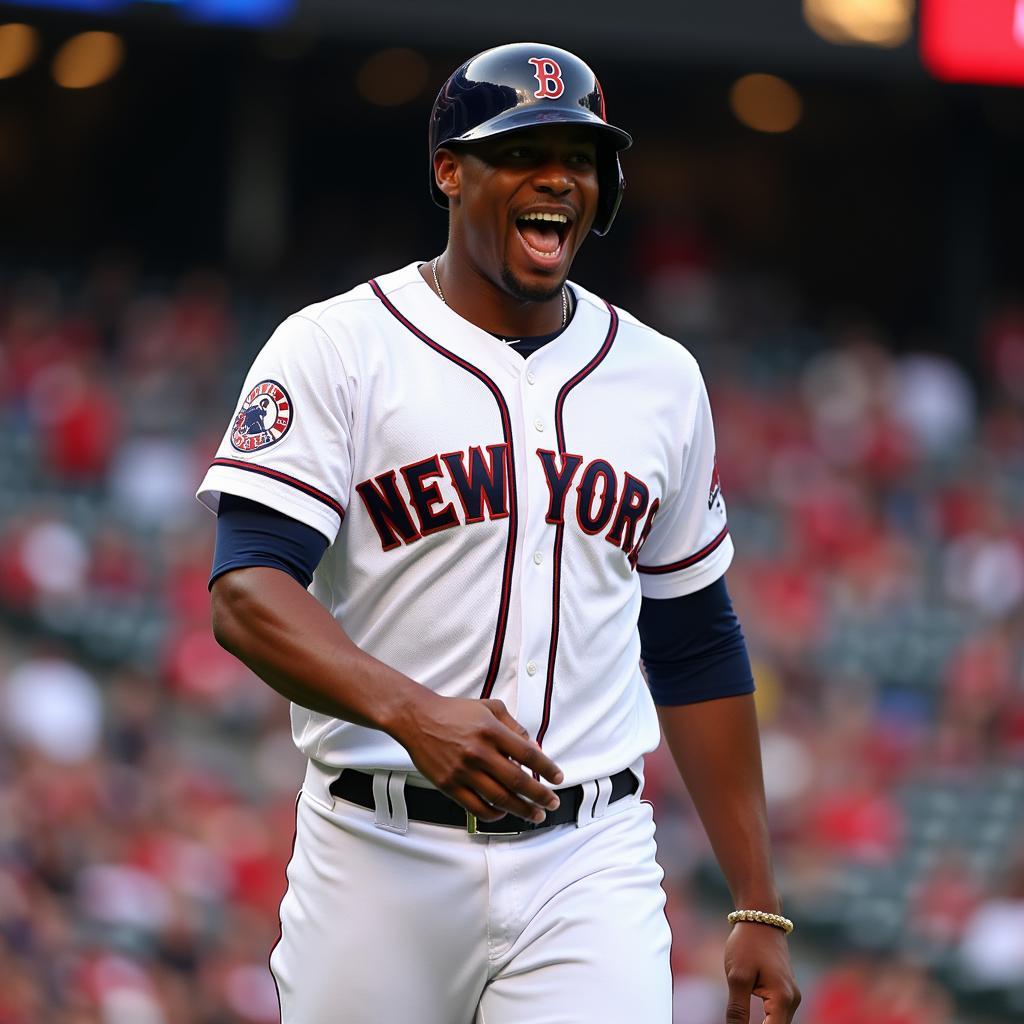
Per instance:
{"type": "Point", "coordinates": [249, 534]}
{"type": "Point", "coordinates": [693, 648]}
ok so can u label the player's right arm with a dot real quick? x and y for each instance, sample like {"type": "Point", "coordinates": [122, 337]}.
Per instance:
{"type": "Point", "coordinates": [470, 749]}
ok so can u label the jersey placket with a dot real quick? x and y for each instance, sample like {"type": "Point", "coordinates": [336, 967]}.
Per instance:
{"type": "Point", "coordinates": [537, 387]}
{"type": "Point", "coordinates": [549, 380]}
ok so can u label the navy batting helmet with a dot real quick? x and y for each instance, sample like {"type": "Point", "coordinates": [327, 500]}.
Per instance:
{"type": "Point", "coordinates": [522, 85]}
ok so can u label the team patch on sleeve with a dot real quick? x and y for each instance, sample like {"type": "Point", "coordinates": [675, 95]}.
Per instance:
{"type": "Point", "coordinates": [263, 418]}
{"type": "Point", "coordinates": [716, 486]}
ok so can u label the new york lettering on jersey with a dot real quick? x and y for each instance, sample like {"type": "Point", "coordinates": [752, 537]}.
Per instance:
{"type": "Point", "coordinates": [482, 489]}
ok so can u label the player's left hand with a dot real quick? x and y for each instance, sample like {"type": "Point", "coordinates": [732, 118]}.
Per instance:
{"type": "Point", "coordinates": [757, 963]}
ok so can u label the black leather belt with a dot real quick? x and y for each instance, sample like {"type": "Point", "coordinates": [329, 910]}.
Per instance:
{"type": "Point", "coordinates": [432, 806]}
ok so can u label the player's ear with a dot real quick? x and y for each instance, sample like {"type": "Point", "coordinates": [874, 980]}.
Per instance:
{"type": "Point", "coordinates": [447, 172]}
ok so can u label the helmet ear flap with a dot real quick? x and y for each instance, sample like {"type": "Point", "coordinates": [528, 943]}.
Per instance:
{"type": "Point", "coordinates": [610, 184]}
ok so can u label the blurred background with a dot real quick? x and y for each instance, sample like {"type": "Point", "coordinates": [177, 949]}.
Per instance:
{"type": "Point", "coordinates": [824, 203]}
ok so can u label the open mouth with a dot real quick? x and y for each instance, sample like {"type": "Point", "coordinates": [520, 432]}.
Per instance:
{"type": "Point", "coordinates": [543, 234]}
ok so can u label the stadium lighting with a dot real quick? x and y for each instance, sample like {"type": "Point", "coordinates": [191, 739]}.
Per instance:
{"type": "Point", "coordinates": [392, 77]}
{"type": "Point", "coordinates": [765, 103]}
{"type": "Point", "coordinates": [19, 45]}
{"type": "Point", "coordinates": [88, 59]}
{"type": "Point", "coordinates": [884, 23]}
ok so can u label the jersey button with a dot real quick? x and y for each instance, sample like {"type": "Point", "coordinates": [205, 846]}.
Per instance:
{"type": "Point", "coordinates": [538, 423]}
{"type": "Point", "coordinates": [531, 668]}
{"type": "Point", "coordinates": [531, 377]}
{"type": "Point", "coordinates": [537, 558]}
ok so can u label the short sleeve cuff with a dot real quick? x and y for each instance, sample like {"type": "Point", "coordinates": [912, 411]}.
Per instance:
{"type": "Point", "coordinates": [276, 490]}
{"type": "Point", "coordinates": [711, 690]}
{"type": "Point", "coordinates": [700, 570]}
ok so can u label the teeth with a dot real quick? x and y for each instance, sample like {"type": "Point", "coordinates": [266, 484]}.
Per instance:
{"type": "Point", "coordinates": [558, 218]}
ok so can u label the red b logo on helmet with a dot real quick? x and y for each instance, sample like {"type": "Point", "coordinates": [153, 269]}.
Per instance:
{"type": "Point", "coordinates": [549, 78]}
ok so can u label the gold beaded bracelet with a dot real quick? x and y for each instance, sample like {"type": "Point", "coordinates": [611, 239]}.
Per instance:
{"type": "Point", "coordinates": [762, 917]}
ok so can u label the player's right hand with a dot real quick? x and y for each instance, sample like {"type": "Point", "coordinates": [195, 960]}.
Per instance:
{"type": "Point", "coordinates": [480, 756]}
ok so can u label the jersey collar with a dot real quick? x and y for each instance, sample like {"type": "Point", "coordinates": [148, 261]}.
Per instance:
{"type": "Point", "coordinates": [422, 305]}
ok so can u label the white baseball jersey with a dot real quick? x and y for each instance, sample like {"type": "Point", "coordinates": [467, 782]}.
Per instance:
{"type": "Point", "coordinates": [492, 521]}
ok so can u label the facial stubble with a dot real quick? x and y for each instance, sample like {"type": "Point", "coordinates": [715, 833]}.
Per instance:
{"type": "Point", "coordinates": [524, 293]}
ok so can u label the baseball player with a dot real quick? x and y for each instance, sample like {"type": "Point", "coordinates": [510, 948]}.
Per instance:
{"type": "Point", "coordinates": [473, 496]}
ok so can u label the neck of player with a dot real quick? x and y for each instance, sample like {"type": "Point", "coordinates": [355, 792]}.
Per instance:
{"type": "Point", "coordinates": [487, 303]}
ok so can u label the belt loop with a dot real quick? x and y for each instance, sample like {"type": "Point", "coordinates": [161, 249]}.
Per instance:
{"type": "Point", "coordinates": [604, 795]}
{"type": "Point", "coordinates": [588, 801]}
{"type": "Point", "coordinates": [595, 800]}
{"type": "Point", "coordinates": [390, 811]}
{"type": "Point", "coordinates": [399, 811]}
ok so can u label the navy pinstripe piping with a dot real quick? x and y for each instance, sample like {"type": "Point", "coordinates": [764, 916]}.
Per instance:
{"type": "Point", "coordinates": [501, 626]}
{"type": "Point", "coordinates": [556, 573]}
{"type": "Point", "coordinates": [658, 570]}
{"type": "Point", "coordinates": [284, 478]}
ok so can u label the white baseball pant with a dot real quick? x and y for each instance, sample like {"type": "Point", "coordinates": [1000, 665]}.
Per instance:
{"type": "Point", "coordinates": [434, 926]}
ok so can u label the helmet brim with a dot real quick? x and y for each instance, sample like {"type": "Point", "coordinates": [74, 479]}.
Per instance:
{"type": "Point", "coordinates": [534, 117]}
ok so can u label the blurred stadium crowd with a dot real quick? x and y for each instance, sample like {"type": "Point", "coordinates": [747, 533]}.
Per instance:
{"type": "Point", "coordinates": [147, 780]}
